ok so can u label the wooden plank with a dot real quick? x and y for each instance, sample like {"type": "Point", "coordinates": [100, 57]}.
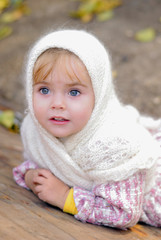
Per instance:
{"type": "Point", "coordinates": [23, 216]}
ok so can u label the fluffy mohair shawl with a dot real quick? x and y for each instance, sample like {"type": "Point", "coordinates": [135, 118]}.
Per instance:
{"type": "Point", "coordinates": [112, 146]}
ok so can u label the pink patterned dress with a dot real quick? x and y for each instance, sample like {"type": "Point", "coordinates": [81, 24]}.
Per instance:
{"type": "Point", "coordinates": [117, 204]}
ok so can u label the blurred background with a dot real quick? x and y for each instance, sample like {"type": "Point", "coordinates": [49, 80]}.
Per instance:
{"type": "Point", "coordinates": [129, 29]}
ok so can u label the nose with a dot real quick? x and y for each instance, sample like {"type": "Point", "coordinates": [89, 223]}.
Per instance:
{"type": "Point", "coordinates": [58, 102]}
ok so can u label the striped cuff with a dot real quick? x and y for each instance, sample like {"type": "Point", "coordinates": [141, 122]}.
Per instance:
{"type": "Point", "coordinates": [69, 206]}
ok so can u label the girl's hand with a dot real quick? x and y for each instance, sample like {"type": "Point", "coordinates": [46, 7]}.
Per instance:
{"type": "Point", "coordinates": [47, 187]}
{"type": "Point", "coordinates": [29, 176]}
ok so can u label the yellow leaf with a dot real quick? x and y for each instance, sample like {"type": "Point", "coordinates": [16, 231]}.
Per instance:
{"type": "Point", "coordinates": [88, 6]}
{"type": "Point", "coordinates": [145, 35]}
{"type": "Point", "coordinates": [5, 32]}
{"type": "Point", "coordinates": [7, 118]}
{"type": "Point", "coordinates": [4, 4]}
{"type": "Point", "coordinates": [11, 16]}
{"type": "Point", "coordinates": [114, 74]}
{"type": "Point", "coordinates": [86, 17]}
{"type": "Point", "coordinates": [15, 14]}
{"type": "Point", "coordinates": [105, 5]}
{"type": "Point", "coordinates": [104, 16]}
{"type": "Point", "coordinates": [24, 9]}
{"type": "Point", "coordinates": [84, 11]}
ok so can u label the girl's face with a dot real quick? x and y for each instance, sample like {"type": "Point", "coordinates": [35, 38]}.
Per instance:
{"type": "Point", "coordinates": [64, 100]}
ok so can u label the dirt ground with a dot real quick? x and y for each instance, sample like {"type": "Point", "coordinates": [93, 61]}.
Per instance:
{"type": "Point", "coordinates": [138, 65]}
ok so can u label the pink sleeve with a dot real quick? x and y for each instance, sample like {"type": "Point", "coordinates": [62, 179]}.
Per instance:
{"type": "Point", "coordinates": [19, 172]}
{"type": "Point", "coordinates": [151, 213]}
{"type": "Point", "coordinates": [116, 204]}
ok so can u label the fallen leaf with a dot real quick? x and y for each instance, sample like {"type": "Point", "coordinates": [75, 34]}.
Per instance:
{"type": "Point", "coordinates": [106, 5]}
{"type": "Point", "coordinates": [11, 16]}
{"type": "Point", "coordinates": [10, 11]}
{"type": "Point", "coordinates": [104, 16]}
{"type": "Point", "coordinates": [15, 14]}
{"type": "Point", "coordinates": [139, 230]}
{"type": "Point", "coordinates": [17, 2]}
{"type": "Point", "coordinates": [5, 32]}
{"type": "Point", "coordinates": [145, 35]}
{"type": "Point", "coordinates": [85, 11]}
{"type": "Point", "coordinates": [7, 118]}
{"type": "Point", "coordinates": [114, 74]}
{"type": "Point", "coordinates": [86, 17]}
{"type": "Point", "coordinates": [88, 6]}
{"type": "Point", "coordinates": [4, 4]}
{"type": "Point", "coordinates": [101, 8]}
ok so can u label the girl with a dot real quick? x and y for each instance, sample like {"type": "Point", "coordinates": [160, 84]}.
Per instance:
{"type": "Point", "coordinates": [84, 151]}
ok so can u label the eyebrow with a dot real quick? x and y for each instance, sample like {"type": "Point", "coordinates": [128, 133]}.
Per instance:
{"type": "Point", "coordinates": [72, 84]}
{"type": "Point", "coordinates": [42, 82]}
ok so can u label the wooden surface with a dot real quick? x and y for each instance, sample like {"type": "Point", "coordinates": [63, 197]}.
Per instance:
{"type": "Point", "coordinates": [24, 217]}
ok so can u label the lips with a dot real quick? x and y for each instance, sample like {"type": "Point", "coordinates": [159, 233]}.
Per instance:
{"type": "Point", "coordinates": [58, 120]}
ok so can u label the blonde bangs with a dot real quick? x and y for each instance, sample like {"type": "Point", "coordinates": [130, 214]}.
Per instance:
{"type": "Point", "coordinates": [45, 63]}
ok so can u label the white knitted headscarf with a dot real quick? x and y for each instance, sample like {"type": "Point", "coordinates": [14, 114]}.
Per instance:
{"type": "Point", "coordinates": [111, 147]}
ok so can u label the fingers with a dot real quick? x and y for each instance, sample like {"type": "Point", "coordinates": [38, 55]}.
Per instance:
{"type": "Point", "coordinates": [42, 196]}
{"type": "Point", "coordinates": [41, 180]}
{"type": "Point", "coordinates": [37, 189]}
{"type": "Point", "coordinates": [38, 180]}
{"type": "Point", "coordinates": [44, 173]}
{"type": "Point", "coordinates": [39, 174]}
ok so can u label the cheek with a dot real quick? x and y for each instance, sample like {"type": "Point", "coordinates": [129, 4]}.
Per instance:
{"type": "Point", "coordinates": [87, 114]}
{"type": "Point", "coordinates": [83, 108]}
{"type": "Point", "coordinates": [82, 113]}
{"type": "Point", "coordinates": [38, 107]}
{"type": "Point", "coordinates": [87, 111]}
{"type": "Point", "coordinates": [35, 104]}
{"type": "Point", "coordinates": [87, 107]}
{"type": "Point", "coordinates": [83, 118]}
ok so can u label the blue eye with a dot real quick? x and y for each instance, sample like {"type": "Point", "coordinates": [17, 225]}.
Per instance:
{"type": "Point", "coordinates": [74, 93]}
{"type": "Point", "coordinates": [44, 90]}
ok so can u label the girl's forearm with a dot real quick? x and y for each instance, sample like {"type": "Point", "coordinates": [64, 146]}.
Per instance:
{"type": "Point", "coordinates": [116, 205]}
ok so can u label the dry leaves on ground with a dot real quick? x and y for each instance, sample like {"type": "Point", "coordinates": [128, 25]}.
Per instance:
{"type": "Point", "coordinates": [102, 9]}
{"type": "Point", "coordinates": [10, 11]}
